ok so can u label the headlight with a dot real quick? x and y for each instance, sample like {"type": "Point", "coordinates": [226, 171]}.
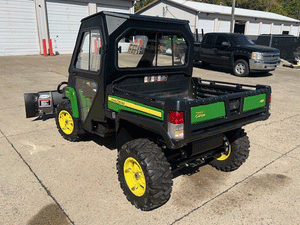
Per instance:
{"type": "Point", "coordinates": [257, 55]}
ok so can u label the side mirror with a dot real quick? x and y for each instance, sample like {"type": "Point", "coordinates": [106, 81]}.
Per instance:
{"type": "Point", "coordinates": [225, 44]}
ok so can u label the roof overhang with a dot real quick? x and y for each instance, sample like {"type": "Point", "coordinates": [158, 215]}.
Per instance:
{"type": "Point", "coordinates": [222, 10]}
{"type": "Point", "coordinates": [170, 1]}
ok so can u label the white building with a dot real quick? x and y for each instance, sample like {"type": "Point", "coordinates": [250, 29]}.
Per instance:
{"type": "Point", "coordinates": [25, 23]}
{"type": "Point", "coordinates": [216, 18]}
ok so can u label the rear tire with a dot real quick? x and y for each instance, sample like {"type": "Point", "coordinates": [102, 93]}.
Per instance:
{"type": "Point", "coordinates": [235, 154]}
{"type": "Point", "coordinates": [144, 174]}
{"type": "Point", "coordinates": [67, 125]}
{"type": "Point", "coordinates": [241, 68]}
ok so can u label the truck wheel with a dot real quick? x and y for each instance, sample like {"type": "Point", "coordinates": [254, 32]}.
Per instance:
{"type": "Point", "coordinates": [236, 151]}
{"type": "Point", "coordinates": [66, 123]}
{"type": "Point", "coordinates": [241, 68]}
{"type": "Point", "coordinates": [144, 174]}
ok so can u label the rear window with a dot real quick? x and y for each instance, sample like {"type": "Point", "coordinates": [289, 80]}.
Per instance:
{"type": "Point", "coordinates": [140, 49]}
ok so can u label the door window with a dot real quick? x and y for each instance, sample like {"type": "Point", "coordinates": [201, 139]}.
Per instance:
{"type": "Point", "coordinates": [220, 40]}
{"type": "Point", "coordinates": [209, 40]}
{"type": "Point", "coordinates": [86, 90]}
{"type": "Point", "coordinates": [89, 56]}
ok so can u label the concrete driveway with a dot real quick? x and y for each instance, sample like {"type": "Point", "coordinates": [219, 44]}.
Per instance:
{"type": "Point", "coordinates": [45, 179]}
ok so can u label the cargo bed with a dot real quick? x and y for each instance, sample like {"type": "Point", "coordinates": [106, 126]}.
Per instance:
{"type": "Point", "coordinates": [210, 107]}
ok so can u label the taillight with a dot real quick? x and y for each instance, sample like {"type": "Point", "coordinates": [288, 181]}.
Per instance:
{"type": "Point", "coordinates": [176, 117]}
{"type": "Point", "coordinates": [176, 125]}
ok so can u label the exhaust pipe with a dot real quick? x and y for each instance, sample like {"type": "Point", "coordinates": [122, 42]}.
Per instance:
{"type": "Point", "coordinates": [41, 103]}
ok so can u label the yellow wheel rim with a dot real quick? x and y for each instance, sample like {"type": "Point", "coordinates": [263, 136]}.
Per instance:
{"type": "Point", "coordinates": [134, 177]}
{"type": "Point", "coordinates": [66, 122]}
{"type": "Point", "coordinates": [224, 155]}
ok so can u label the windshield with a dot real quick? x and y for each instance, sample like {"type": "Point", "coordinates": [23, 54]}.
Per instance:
{"type": "Point", "coordinates": [239, 39]}
{"type": "Point", "coordinates": [138, 49]}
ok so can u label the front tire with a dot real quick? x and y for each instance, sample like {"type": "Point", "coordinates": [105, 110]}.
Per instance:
{"type": "Point", "coordinates": [144, 174]}
{"type": "Point", "coordinates": [236, 151]}
{"type": "Point", "coordinates": [67, 125]}
{"type": "Point", "coordinates": [241, 68]}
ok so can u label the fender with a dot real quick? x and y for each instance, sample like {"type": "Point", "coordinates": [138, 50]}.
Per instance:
{"type": "Point", "coordinates": [71, 95]}
{"type": "Point", "coordinates": [147, 124]}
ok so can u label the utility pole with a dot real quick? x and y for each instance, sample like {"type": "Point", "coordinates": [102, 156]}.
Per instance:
{"type": "Point", "coordinates": [298, 13]}
{"type": "Point", "coordinates": [232, 16]}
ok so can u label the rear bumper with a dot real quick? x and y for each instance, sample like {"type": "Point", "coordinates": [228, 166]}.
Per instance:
{"type": "Point", "coordinates": [220, 129]}
{"type": "Point", "coordinates": [263, 66]}
{"type": "Point", "coordinates": [199, 131]}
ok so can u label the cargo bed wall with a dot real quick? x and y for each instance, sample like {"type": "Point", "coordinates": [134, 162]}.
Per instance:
{"type": "Point", "coordinates": [176, 86]}
{"type": "Point", "coordinates": [222, 106]}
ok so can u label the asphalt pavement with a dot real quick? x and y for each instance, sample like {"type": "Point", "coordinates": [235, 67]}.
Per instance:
{"type": "Point", "coordinates": [44, 179]}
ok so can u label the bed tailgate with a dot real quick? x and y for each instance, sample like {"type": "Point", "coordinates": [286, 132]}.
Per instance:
{"type": "Point", "coordinates": [242, 104]}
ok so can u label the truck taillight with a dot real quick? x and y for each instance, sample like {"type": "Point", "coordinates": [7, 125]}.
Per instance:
{"type": "Point", "coordinates": [176, 125]}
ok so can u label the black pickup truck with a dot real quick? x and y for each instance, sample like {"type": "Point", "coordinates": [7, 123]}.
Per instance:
{"type": "Point", "coordinates": [237, 51]}
{"type": "Point", "coordinates": [123, 82]}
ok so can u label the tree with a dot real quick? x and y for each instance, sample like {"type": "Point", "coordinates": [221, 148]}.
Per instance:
{"type": "Point", "coordinates": [141, 4]}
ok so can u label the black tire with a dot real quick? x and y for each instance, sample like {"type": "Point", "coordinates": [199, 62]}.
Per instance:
{"type": "Point", "coordinates": [241, 68]}
{"type": "Point", "coordinates": [67, 125]}
{"type": "Point", "coordinates": [152, 177]}
{"type": "Point", "coordinates": [235, 154]}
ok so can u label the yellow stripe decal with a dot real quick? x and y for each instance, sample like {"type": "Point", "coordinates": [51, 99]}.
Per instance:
{"type": "Point", "coordinates": [135, 106]}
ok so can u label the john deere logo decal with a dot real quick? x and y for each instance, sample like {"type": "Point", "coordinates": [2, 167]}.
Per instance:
{"type": "Point", "coordinates": [200, 114]}
{"type": "Point", "coordinates": [117, 101]}
{"type": "Point", "coordinates": [118, 104]}
{"type": "Point", "coordinates": [262, 101]}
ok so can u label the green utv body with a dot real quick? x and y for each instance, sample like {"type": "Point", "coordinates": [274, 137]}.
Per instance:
{"type": "Point", "coordinates": [126, 79]}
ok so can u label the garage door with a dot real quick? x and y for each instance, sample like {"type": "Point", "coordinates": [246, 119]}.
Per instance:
{"type": "Point", "coordinates": [120, 9]}
{"type": "Point", "coordinates": [253, 28]}
{"type": "Point", "coordinates": [276, 29]}
{"type": "Point", "coordinates": [64, 20]}
{"type": "Point", "coordinates": [295, 30]}
{"type": "Point", "coordinates": [224, 26]}
{"type": "Point", "coordinates": [265, 29]}
{"type": "Point", "coordinates": [206, 24]}
{"type": "Point", "coordinates": [18, 28]}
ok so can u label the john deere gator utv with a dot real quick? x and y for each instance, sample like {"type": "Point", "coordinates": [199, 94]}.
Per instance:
{"type": "Point", "coordinates": [125, 80]}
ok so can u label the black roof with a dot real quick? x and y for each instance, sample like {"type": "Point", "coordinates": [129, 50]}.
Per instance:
{"type": "Point", "coordinates": [136, 17]}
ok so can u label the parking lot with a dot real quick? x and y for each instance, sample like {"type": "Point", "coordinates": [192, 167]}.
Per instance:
{"type": "Point", "coordinates": [45, 179]}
